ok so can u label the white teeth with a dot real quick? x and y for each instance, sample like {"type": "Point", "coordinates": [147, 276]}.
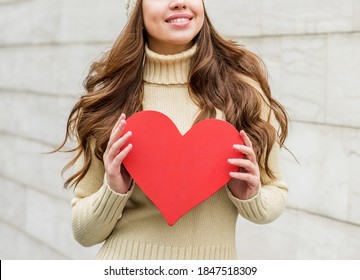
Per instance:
{"type": "Point", "coordinates": [179, 20]}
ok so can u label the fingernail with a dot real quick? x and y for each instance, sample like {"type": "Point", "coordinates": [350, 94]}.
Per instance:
{"type": "Point", "coordinates": [237, 146]}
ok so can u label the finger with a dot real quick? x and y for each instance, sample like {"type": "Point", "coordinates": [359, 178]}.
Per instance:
{"type": "Point", "coordinates": [246, 139]}
{"type": "Point", "coordinates": [122, 117]}
{"type": "Point", "coordinates": [118, 131]}
{"type": "Point", "coordinates": [245, 164]}
{"type": "Point", "coordinates": [250, 179]}
{"type": "Point", "coordinates": [114, 165]}
{"type": "Point", "coordinates": [246, 151]}
{"type": "Point", "coordinates": [116, 147]}
{"type": "Point", "coordinates": [115, 127]}
{"type": "Point", "coordinates": [121, 156]}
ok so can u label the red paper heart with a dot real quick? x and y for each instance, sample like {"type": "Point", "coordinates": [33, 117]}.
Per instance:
{"type": "Point", "coordinates": [178, 172]}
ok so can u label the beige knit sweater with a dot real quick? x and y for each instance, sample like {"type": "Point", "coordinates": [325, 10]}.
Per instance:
{"type": "Point", "coordinates": [132, 227]}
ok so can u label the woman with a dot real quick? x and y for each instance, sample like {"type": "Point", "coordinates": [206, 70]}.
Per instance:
{"type": "Point", "coordinates": [170, 59]}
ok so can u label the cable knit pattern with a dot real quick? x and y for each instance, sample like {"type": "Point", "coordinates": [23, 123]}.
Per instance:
{"type": "Point", "coordinates": [131, 227]}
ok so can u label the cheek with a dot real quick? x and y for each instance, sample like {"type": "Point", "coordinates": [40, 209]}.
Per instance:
{"type": "Point", "coordinates": [150, 25]}
{"type": "Point", "coordinates": [200, 24]}
{"type": "Point", "coordinates": [201, 21]}
{"type": "Point", "coordinates": [149, 16]}
{"type": "Point", "coordinates": [200, 15]}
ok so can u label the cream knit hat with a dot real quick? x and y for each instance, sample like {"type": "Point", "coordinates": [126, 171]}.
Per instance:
{"type": "Point", "coordinates": [130, 6]}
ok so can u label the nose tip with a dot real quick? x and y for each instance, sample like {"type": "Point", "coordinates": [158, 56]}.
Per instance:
{"type": "Point", "coordinates": [178, 5]}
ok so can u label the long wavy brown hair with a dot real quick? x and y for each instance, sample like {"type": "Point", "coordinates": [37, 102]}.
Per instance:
{"type": "Point", "coordinates": [224, 75]}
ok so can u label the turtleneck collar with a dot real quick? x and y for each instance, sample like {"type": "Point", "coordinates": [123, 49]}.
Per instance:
{"type": "Point", "coordinates": [167, 69]}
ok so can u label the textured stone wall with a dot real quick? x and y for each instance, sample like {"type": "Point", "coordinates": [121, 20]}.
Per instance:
{"type": "Point", "coordinates": [311, 49]}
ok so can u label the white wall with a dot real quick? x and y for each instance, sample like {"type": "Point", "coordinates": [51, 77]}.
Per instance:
{"type": "Point", "coordinates": [311, 49]}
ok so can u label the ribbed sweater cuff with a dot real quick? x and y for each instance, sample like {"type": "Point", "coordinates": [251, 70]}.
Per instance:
{"type": "Point", "coordinates": [109, 204]}
{"type": "Point", "coordinates": [253, 209]}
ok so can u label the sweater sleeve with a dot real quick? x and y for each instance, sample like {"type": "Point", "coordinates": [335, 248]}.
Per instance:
{"type": "Point", "coordinates": [270, 201]}
{"type": "Point", "coordinates": [95, 206]}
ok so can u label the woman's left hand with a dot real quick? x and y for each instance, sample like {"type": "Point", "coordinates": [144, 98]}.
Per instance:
{"type": "Point", "coordinates": [245, 183]}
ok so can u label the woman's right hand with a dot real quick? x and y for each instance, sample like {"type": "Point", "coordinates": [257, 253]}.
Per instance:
{"type": "Point", "coordinates": [117, 177]}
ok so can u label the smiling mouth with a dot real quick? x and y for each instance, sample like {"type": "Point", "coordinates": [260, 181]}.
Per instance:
{"type": "Point", "coordinates": [179, 20]}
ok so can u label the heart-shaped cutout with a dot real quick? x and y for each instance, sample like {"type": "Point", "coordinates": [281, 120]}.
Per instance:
{"type": "Point", "coordinates": [178, 172]}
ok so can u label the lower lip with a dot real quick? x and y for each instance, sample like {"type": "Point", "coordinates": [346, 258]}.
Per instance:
{"type": "Point", "coordinates": [180, 24]}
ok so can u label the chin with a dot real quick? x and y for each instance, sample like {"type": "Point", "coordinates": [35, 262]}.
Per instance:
{"type": "Point", "coordinates": [182, 41]}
